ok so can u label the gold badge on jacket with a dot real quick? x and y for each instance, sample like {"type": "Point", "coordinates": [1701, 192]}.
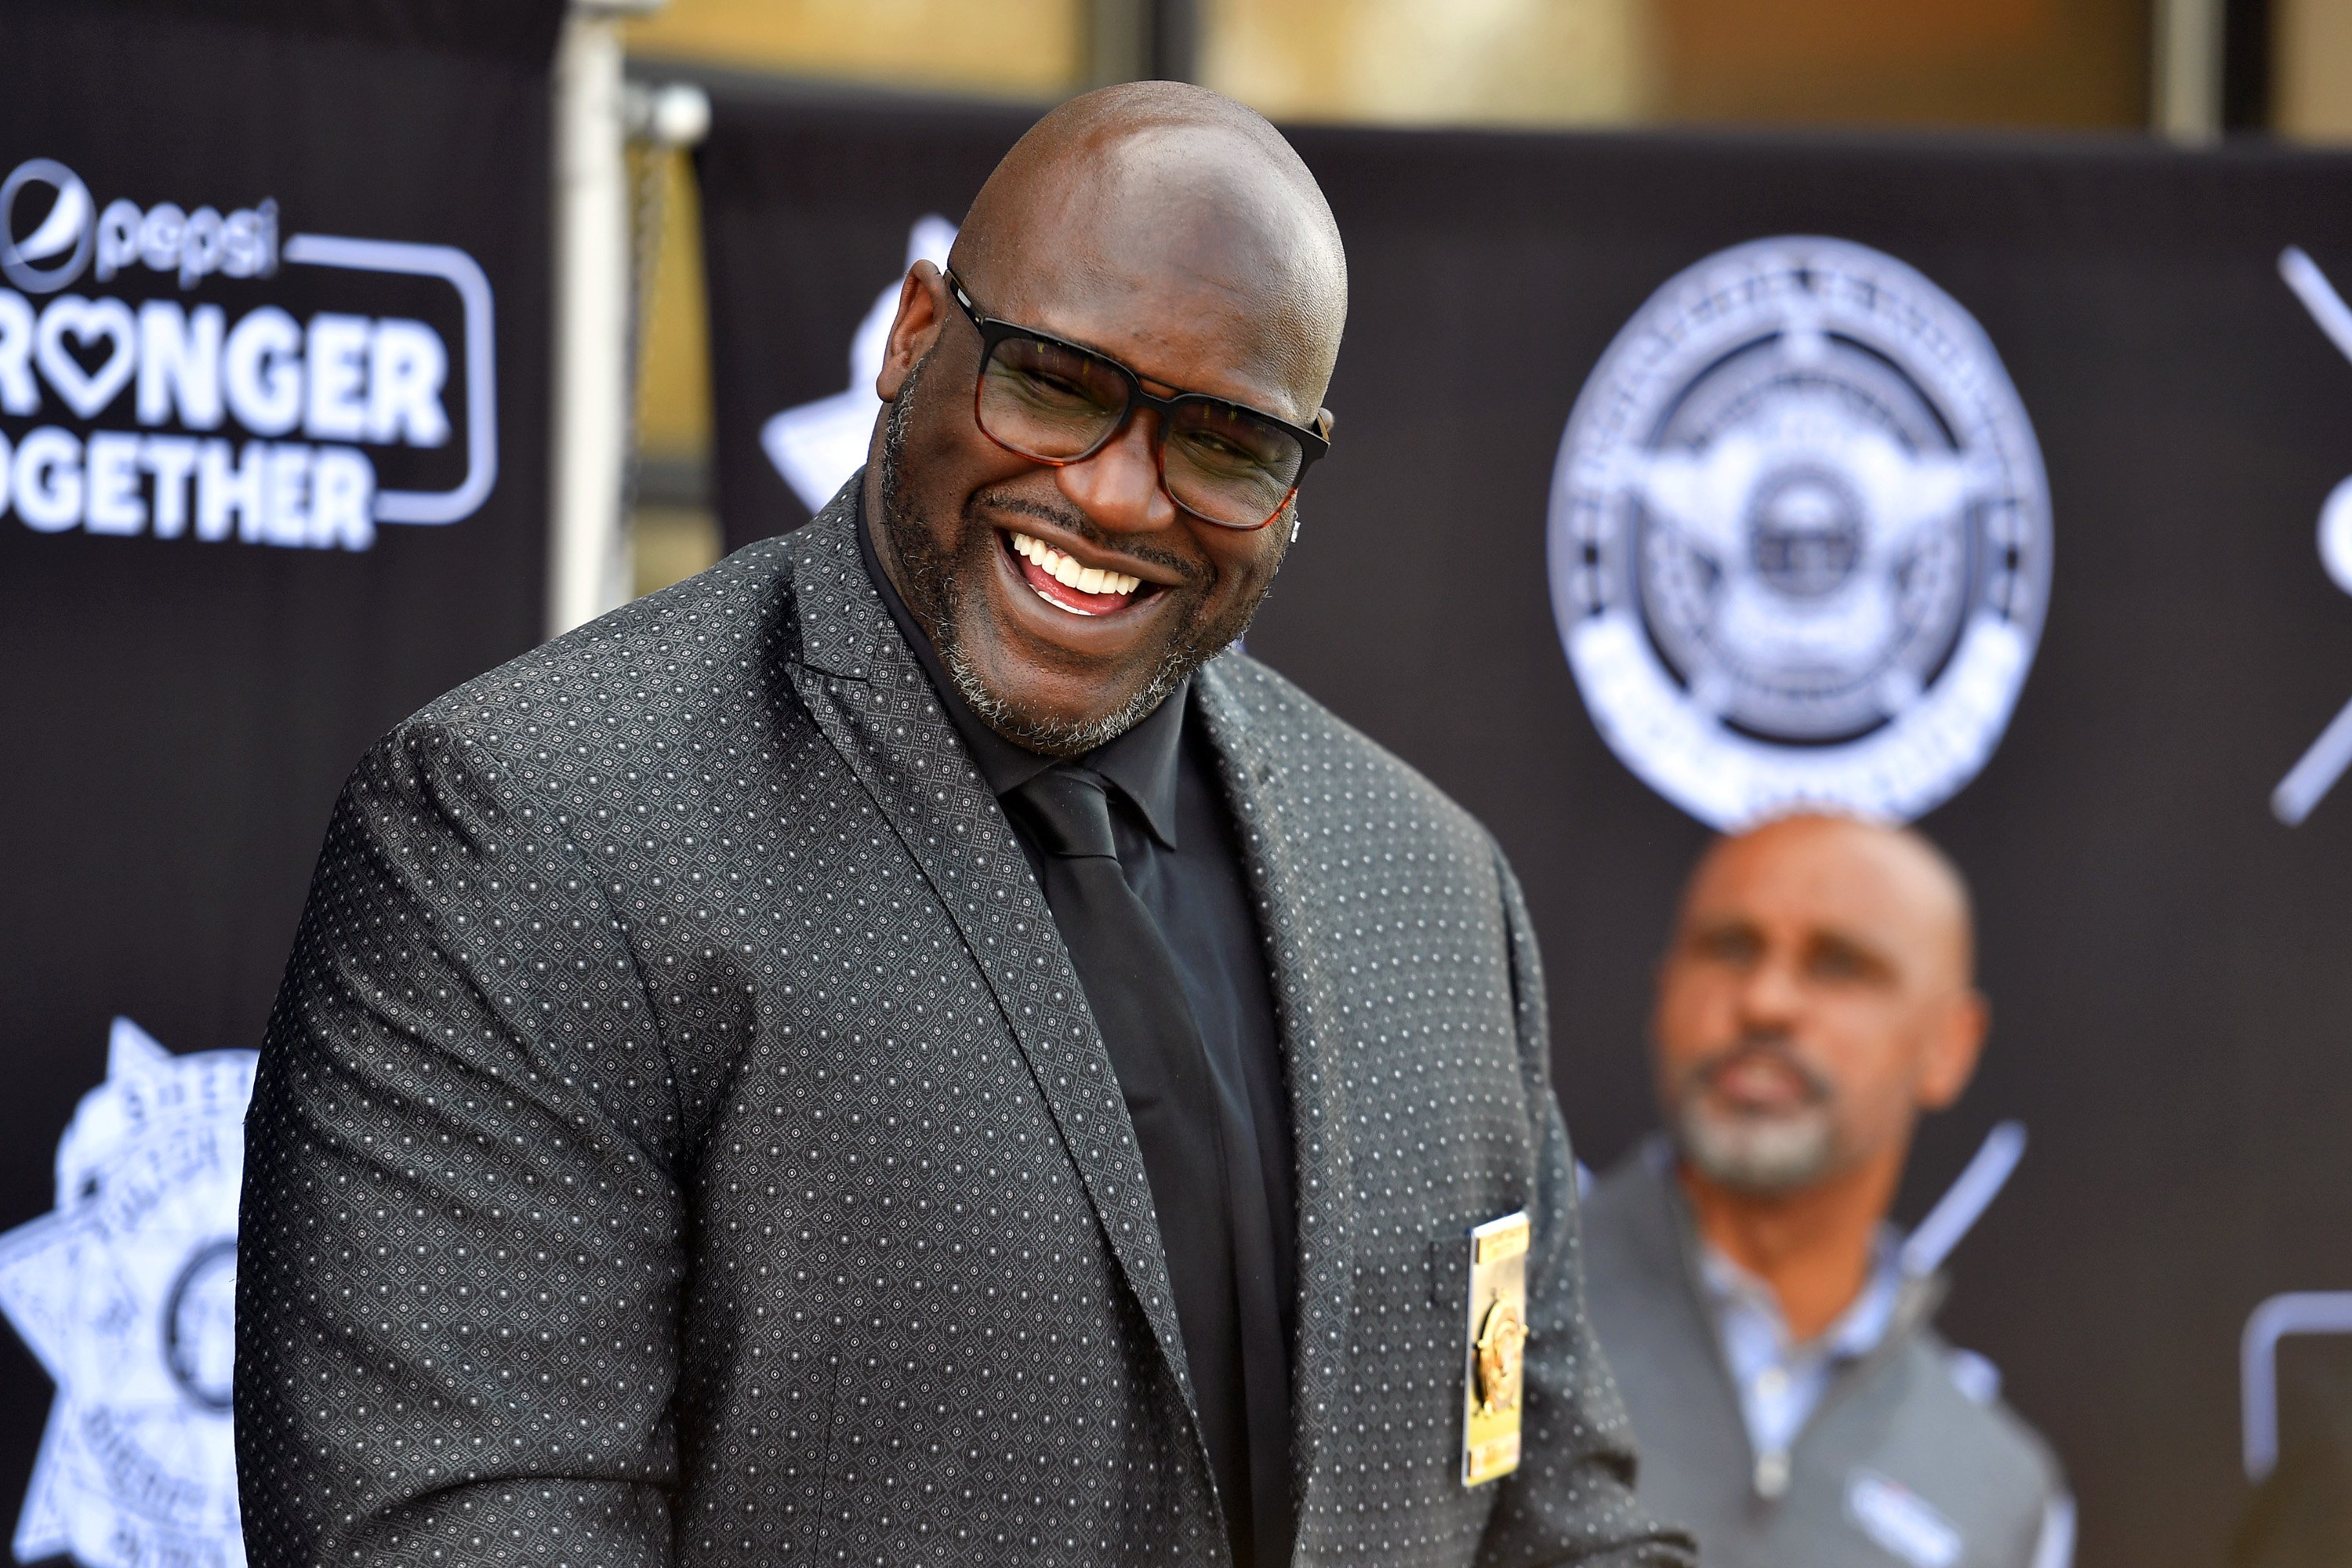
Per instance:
{"type": "Point", "coordinates": [1495, 1357]}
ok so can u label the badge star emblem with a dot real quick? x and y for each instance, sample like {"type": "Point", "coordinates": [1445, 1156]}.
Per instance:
{"type": "Point", "coordinates": [817, 446]}
{"type": "Point", "coordinates": [1502, 1347]}
{"type": "Point", "coordinates": [1809, 525]}
{"type": "Point", "coordinates": [125, 1293]}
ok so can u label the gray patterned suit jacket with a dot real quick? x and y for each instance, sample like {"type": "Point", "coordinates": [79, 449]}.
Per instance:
{"type": "Point", "coordinates": [681, 1139]}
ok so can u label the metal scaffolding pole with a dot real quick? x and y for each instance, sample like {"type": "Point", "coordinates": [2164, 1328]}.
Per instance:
{"type": "Point", "coordinates": [2190, 40]}
{"type": "Point", "coordinates": [588, 543]}
{"type": "Point", "coordinates": [1140, 40]}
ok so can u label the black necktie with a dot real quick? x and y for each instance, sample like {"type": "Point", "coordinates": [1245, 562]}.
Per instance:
{"type": "Point", "coordinates": [1133, 985]}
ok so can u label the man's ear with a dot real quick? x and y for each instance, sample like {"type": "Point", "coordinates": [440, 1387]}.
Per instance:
{"type": "Point", "coordinates": [1953, 1050]}
{"type": "Point", "coordinates": [922, 307]}
{"type": "Point", "coordinates": [1654, 1027]}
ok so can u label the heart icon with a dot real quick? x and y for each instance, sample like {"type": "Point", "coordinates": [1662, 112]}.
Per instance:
{"type": "Point", "coordinates": [85, 391]}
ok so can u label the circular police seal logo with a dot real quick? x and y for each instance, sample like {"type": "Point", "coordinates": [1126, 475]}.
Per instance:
{"type": "Point", "coordinates": [1800, 537]}
{"type": "Point", "coordinates": [126, 1292]}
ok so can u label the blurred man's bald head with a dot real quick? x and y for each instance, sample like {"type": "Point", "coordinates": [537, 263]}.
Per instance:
{"type": "Point", "coordinates": [1891, 878]}
{"type": "Point", "coordinates": [1161, 187]}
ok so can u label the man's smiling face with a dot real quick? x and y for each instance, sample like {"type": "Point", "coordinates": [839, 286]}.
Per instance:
{"type": "Point", "coordinates": [1067, 602]}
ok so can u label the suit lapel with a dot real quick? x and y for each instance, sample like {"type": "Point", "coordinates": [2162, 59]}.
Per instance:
{"type": "Point", "coordinates": [869, 696]}
{"type": "Point", "coordinates": [1278, 860]}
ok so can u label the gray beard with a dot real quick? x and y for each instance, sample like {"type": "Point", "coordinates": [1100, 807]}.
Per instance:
{"type": "Point", "coordinates": [1760, 1154]}
{"type": "Point", "coordinates": [1757, 1154]}
{"type": "Point", "coordinates": [934, 591]}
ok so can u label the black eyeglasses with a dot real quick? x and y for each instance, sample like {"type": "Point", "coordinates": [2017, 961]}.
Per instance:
{"type": "Point", "coordinates": [1053, 402]}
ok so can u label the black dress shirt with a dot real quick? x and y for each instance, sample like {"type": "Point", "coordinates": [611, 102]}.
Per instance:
{"type": "Point", "coordinates": [1177, 851]}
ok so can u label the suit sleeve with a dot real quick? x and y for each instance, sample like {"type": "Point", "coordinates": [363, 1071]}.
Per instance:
{"type": "Point", "coordinates": [1571, 1500]}
{"type": "Point", "coordinates": [459, 1243]}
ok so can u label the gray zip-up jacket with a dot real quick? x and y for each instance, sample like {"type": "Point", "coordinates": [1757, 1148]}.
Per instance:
{"type": "Point", "coordinates": [1897, 1465]}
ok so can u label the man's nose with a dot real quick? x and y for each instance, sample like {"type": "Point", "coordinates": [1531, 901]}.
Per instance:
{"type": "Point", "coordinates": [1769, 995]}
{"type": "Point", "coordinates": [1118, 487]}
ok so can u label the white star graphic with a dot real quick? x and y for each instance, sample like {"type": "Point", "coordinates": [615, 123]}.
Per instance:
{"type": "Point", "coordinates": [817, 446]}
{"type": "Point", "coordinates": [125, 1293]}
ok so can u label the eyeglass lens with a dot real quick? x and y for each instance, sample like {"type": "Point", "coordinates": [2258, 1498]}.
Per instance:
{"type": "Point", "coordinates": [1221, 462]}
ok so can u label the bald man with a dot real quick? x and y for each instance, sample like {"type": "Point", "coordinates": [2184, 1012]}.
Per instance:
{"type": "Point", "coordinates": [908, 1049]}
{"type": "Point", "coordinates": [1817, 997]}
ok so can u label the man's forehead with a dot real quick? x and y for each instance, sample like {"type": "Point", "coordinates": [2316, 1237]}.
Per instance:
{"type": "Point", "coordinates": [1204, 190]}
{"type": "Point", "coordinates": [1168, 245]}
{"type": "Point", "coordinates": [1860, 881]}
{"type": "Point", "coordinates": [1178, 329]}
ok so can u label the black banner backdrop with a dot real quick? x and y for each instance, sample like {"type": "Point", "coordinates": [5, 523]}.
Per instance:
{"type": "Point", "coordinates": [272, 446]}
{"type": "Point", "coordinates": [2165, 956]}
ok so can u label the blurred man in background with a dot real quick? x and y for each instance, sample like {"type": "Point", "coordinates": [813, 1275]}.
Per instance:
{"type": "Point", "coordinates": [1792, 1405]}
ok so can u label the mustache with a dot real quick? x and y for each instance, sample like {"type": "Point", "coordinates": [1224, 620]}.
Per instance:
{"type": "Point", "coordinates": [1777, 1045]}
{"type": "Point", "coordinates": [1070, 520]}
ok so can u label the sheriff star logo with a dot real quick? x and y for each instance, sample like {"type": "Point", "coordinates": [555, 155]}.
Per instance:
{"type": "Point", "coordinates": [125, 1293]}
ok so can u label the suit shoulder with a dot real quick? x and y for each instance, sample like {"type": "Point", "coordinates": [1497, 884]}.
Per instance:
{"type": "Point", "coordinates": [1979, 1423]}
{"type": "Point", "coordinates": [1316, 745]}
{"type": "Point", "coordinates": [1631, 1235]}
{"type": "Point", "coordinates": [1623, 1191]}
{"type": "Point", "coordinates": [663, 661]}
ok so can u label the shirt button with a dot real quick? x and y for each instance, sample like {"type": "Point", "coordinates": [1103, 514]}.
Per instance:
{"type": "Point", "coordinates": [1771, 1382]}
{"type": "Point", "coordinates": [1771, 1474]}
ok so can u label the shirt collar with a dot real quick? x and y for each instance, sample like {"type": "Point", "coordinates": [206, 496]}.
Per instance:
{"type": "Point", "coordinates": [1858, 1330]}
{"type": "Point", "coordinates": [1143, 761]}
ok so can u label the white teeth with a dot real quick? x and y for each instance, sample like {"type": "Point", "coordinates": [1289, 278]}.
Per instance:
{"type": "Point", "coordinates": [1066, 570]}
